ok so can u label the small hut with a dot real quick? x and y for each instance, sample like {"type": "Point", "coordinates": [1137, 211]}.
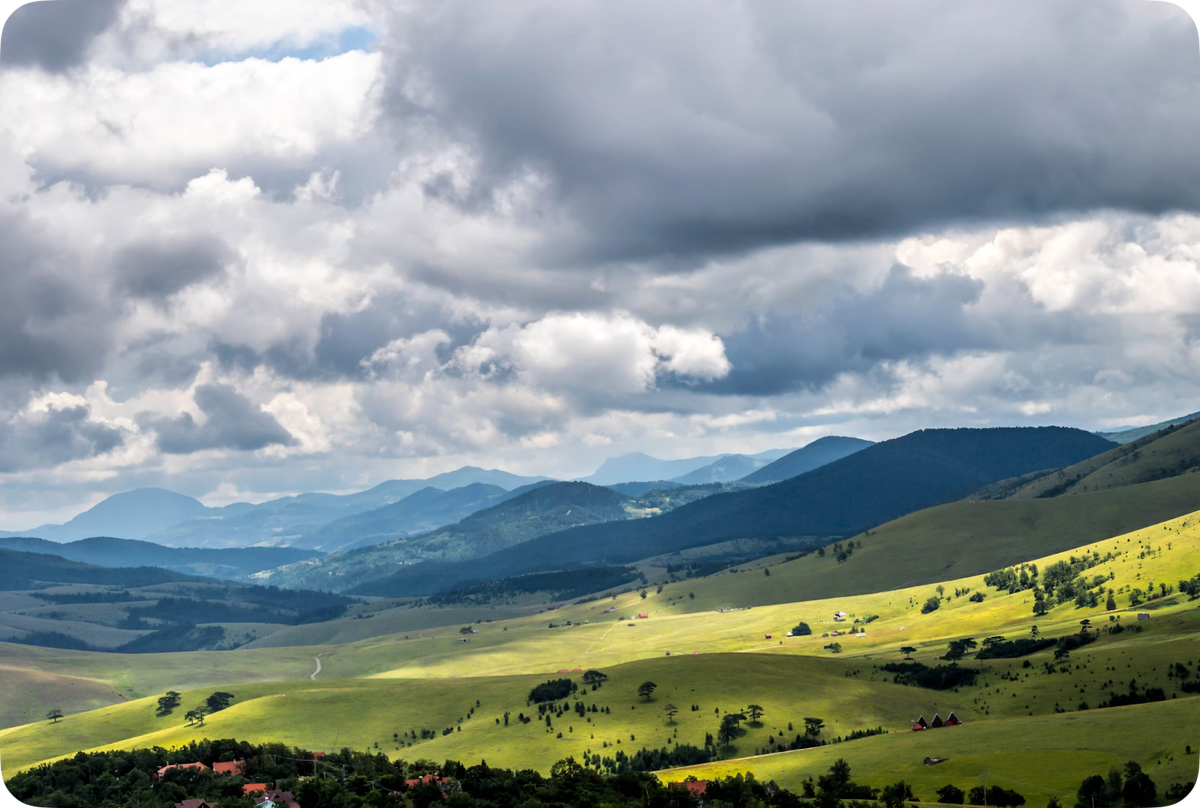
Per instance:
{"type": "Point", "coordinates": [938, 723]}
{"type": "Point", "coordinates": [920, 725]}
{"type": "Point", "coordinates": [952, 720]}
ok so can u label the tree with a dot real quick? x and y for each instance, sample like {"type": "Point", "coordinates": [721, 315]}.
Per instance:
{"type": "Point", "coordinates": [950, 795]}
{"type": "Point", "coordinates": [896, 794]}
{"type": "Point", "coordinates": [813, 726]}
{"type": "Point", "coordinates": [931, 605]}
{"type": "Point", "coordinates": [1139, 790]}
{"type": "Point", "coordinates": [54, 715]}
{"type": "Point", "coordinates": [168, 702]}
{"type": "Point", "coordinates": [646, 690]}
{"type": "Point", "coordinates": [1111, 603]}
{"type": "Point", "coordinates": [802, 629]}
{"type": "Point", "coordinates": [728, 731]}
{"type": "Point", "coordinates": [593, 677]}
{"type": "Point", "coordinates": [1060, 654]}
{"type": "Point", "coordinates": [218, 701]}
{"type": "Point", "coordinates": [671, 711]}
{"type": "Point", "coordinates": [1085, 623]}
{"type": "Point", "coordinates": [941, 590]}
{"type": "Point", "coordinates": [907, 651]}
{"type": "Point", "coordinates": [766, 572]}
{"type": "Point", "coordinates": [756, 712]}
{"type": "Point", "coordinates": [1033, 632]}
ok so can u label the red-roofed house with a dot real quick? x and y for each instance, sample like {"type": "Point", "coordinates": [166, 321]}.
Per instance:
{"type": "Point", "coordinates": [277, 799]}
{"type": "Point", "coordinates": [576, 670]}
{"type": "Point", "coordinates": [952, 720]}
{"type": "Point", "coordinates": [253, 788]}
{"type": "Point", "coordinates": [425, 780]}
{"type": "Point", "coordinates": [195, 804]}
{"type": "Point", "coordinates": [921, 724]}
{"type": "Point", "coordinates": [229, 768]}
{"type": "Point", "coordinates": [563, 670]}
{"type": "Point", "coordinates": [159, 774]}
{"type": "Point", "coordinates": [643, 614]}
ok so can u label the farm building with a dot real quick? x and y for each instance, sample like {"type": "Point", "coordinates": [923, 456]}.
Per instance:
{"type": "Point", "coordinates": [277, 799]}
{"type": "Point", "coordinates": [229, 768]}
{"type": "Point", "coordinates": [952, 720]}
{"type": "Point", "coordinates": [921, 724]}
{"type": "Point", "coordinates": [643, 615]}
{"type": "Point", "coordinates": [253, 788]}
{"type": "Point", "coordinates": [1143, 616]}
{"type": "Point", "coordinates": [768, 635]}
{"type": "Point", "coordinates": [938, 723]}
{"type": "Point", "coordinates": [158, 775]}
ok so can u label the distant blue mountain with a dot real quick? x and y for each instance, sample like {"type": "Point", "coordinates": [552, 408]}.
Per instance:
{"type": "Point", "coordinates": [816, 454]}
{"type": "Point", "coordinates": [130, 515]}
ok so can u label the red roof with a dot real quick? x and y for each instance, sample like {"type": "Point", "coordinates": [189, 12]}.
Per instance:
{"type": "Point", "coordinates": [229, 767]}
{"type": "Point", "coordinates": [952, 720]}
{"type": "Point", "coordinates": [166, 769]}
{"type": "Point", "coordinates": [195, 804]}
{"type": "Point", "coordinates": [695, 787]}
{"type": "Point", "coordinates": [577, 670]}
{"type": "Point", "coordinates": [284, 798]}
{"type": "Point", "coordinates": [921, 724]}
{"type": "Point", "coordinates": [643, 614]}
{"type": "Point", "coordinates": [250, 788]}
{"type": "Point", "coordinates": [563, 670]}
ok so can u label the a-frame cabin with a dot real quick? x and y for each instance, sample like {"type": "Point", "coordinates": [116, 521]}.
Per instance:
{"type": "Point", "coordinates": [920, 725]}
{"type": "Point", "coordinates": [938, 723]}
{"type": "Point", "coordinates": [952, 720]}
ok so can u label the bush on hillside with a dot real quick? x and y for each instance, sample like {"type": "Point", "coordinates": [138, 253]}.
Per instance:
{"type": "Point", "coordinates": [801, 630]}
{"type": "Point", "coordinates": [553, 690]}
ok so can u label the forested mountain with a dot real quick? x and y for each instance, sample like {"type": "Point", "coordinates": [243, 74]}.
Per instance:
{"type": "Point", "coordinates": [109, 552]}
{"type": "Point", "coordinates": [816, 454]}
{"type": "Point", "coordinates": [542, 509]}
{"type": "Point", "coordinates": [842, 498]}
{"type": "Point", "coordinates": [723, 470]}
{"type": "Point", "coordinates": [20, 570]}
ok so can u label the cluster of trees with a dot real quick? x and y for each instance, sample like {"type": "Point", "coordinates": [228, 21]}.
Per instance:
{"type": "Point", "coordinates": [802, 629]}
{"type": "Point", "coordinates": [1058, 583]}
{"type": "Point", "coordinates": [347, 779]}
{"type": "Point", "coordinates": [1191, 587]}
{"type": "Point", "coordinates": [940, 677]}
{"type": "Point", "coordinates": [993, 796]}
{"type": "Point", "coordinates": [1135, 695]}
{"type": "Point", "coordinates": [1131, 789]}
{"type": "Point", "coordinates": [553, 690]}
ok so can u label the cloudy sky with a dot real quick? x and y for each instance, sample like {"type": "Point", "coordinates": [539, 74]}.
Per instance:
{"type": "Point", "coordinates": [250, 249]}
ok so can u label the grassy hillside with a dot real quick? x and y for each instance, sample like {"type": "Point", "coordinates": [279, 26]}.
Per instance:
{"type": "Point", "coordinates": [1132, 433]}
{"type": "Point", "coordinates": [820, 452]}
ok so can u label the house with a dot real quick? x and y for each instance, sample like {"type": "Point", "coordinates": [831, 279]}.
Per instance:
{"type": "Point", "coordinates": [253, 788]}
{"type": "Point", "coordinates": [697, 789]}
{"type": "Point", "coordinates": [643, 615]}
{"type": "Point", "coordinates": [158, 775]}
{"type": "Point", "coordinates": [952, 720]}
{"type": "Point", "coordinates": [1143, 616]}
{"type": "Point", "coordinates": [435, 778]}
{"type": "Point", "coordinates": [563, 670]}
{"type": "Point", "coordinates": [938, 723]}
{"type": "Point", "coordinates": [839, 617]}
{"type": "Point", "coordinates": [195, 804]}
{"type": "Point", "coordinates": [276, 799]}
{"type": "Point", "coordinates": [768, 635]}
{"type": "Point", "coordinates": [921, 724]}
{"type": "Point", "coordinates": [576, 670]}
{"type": "Point", "coordinates": [230, 768]}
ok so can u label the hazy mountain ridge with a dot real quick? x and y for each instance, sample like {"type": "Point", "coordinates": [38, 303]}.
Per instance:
{"type": "Point", "coordinates": [104, 551]}
{"type": "Point", "coordinates": [867, 488]}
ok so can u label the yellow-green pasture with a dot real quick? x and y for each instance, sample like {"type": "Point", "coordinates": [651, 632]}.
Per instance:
{"type": "Point", "coordinates": [363, 712]}
{"type": "Point", "coordinates": [1040, 757]}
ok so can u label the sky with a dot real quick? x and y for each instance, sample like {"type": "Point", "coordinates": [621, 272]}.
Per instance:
{"type": "Point", "coordinates": [253, 249]}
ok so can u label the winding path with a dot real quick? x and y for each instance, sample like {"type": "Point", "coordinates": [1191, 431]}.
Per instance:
{"type": "Point", "coordinates": [316, 659]}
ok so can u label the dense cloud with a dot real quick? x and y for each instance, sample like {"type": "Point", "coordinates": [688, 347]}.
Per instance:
{"type": "Point", "coordinates": [52, 436]}
{"type": "Point", "coordinates": [239, 260]}
{"type": "Point", "coordinates": [55, 34]}
{"type": "Point", "coordinates": [231, 421]}
{"type": "Point", "coordinates": [683, 129]}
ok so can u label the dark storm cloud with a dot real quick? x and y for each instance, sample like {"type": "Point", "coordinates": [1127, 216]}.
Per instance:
{"type": "Point", "coordinates": [905, 319]}
{"type": "Point", "coordinates": [232, 421]}
{"type": "Point", "coordinates": [345, 340]}
{"type": "Point", "coordinates": [55, 34]}
{"type": "Point", "coordinates": [53, 322]}
{"type": "Point", "coordinates": [680, 129]}
{"type": "Point", "coordinates": [44, 440]}
{"type": "Point", "coordinates": [159, 269]}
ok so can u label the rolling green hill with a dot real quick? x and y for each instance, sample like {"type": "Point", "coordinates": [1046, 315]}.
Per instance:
{"type": "Point", "coordinates": [19, 570]}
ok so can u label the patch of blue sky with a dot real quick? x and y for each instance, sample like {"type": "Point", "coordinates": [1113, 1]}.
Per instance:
{"type": "Point", "coordinates": [356, 38]}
